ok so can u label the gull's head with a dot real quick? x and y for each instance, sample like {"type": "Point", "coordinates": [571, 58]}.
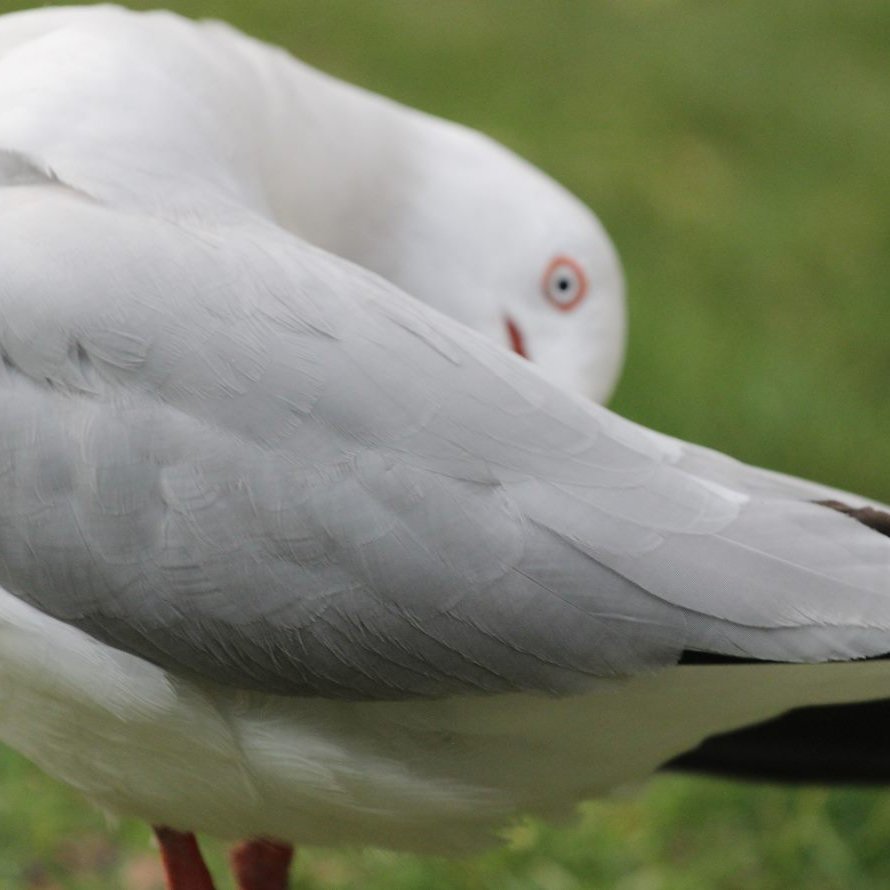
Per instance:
{"type": "Point", "coordinates": [487, 238]}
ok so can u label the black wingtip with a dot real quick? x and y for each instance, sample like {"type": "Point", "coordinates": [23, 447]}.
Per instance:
{"type": "Point", "coordinates": [690, 656]}
{"type": "Point", "coordinates": [879, 520]}
{"type": "Point", "coordinates": [826, 745]}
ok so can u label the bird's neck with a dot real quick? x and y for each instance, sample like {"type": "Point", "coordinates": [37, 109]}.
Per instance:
{"type": "Point", "coordinates": [341, 166]}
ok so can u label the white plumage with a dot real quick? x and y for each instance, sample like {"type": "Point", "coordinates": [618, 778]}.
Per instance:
{"type": "Point", "coordinates": [289, 554]}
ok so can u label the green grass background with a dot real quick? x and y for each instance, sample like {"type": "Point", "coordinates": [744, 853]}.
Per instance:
{"type": "Point", "coordinates": [739, 153]}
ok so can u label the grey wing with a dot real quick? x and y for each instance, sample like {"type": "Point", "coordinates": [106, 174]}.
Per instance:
{"type": "Point", "coordinates": [238, 457]}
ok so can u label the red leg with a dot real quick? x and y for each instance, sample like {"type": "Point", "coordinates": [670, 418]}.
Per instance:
{"type": "Point", "coordinates": [183, 863]}
{"type": "Point", "coordinates": [261, 865]}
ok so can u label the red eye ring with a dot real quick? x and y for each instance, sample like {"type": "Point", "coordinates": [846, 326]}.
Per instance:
{"type": "Point", "coordinates": [572, 268]}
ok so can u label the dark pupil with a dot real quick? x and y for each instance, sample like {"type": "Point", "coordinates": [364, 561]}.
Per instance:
{"type": "Point", "coordinates": [564, 283]}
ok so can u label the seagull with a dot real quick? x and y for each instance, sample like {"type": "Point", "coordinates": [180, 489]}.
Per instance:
{"type": "Point", "coordinates": [287, 554]}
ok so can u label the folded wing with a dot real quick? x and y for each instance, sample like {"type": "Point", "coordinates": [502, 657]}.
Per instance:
{"type": "Point", "coordinates": [241, 458]}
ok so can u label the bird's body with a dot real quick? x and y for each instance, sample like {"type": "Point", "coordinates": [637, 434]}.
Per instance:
{"type": "Point", "coordinates": [281, 489]}
{"type": "Point", "coordinates": [287, 554]}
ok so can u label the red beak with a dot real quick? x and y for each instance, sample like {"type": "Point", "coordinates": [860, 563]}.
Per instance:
{"type": "Point", "coordinates": [517, 341]}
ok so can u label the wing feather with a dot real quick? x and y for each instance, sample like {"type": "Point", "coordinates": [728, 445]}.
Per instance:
{"type": "Point", "coordinates": [239, 457]}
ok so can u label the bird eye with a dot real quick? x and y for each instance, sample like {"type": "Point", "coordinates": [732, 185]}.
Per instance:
{"type": "Point", "coordinates": [564, 283]}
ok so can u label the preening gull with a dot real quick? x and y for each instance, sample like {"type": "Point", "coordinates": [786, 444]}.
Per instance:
{"type": "Point", "coordinates": [286, 554]}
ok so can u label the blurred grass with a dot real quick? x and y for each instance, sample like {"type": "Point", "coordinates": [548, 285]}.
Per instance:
{"type": "Point", "coordinates": [739, 153]}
